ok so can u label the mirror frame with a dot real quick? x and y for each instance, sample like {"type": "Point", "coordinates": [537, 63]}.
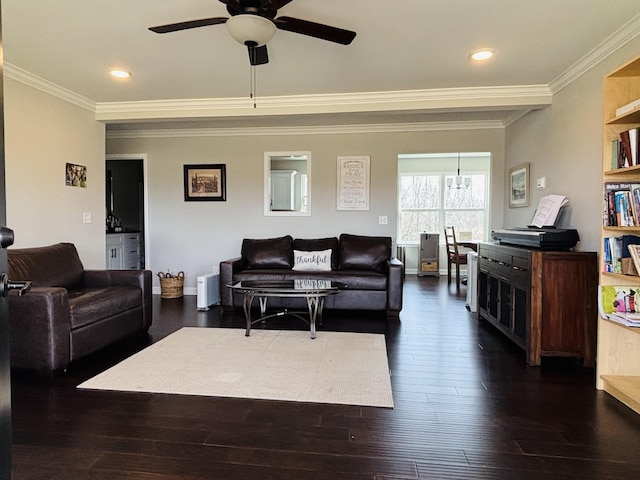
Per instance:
{"type": "Point", "coordinates": [267, 172]}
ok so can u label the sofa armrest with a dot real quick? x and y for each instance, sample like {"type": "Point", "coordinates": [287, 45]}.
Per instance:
{"type": "Point", "coordinates": [122, 278]}
{"type": "Point", "coordinates": [395, 281]}
{"type": "Point", "coordinates": [39, 329]}
{"type": "Point", "coordinates": [227, 269]}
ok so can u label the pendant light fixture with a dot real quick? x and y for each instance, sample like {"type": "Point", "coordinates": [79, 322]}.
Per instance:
{"type": "Point", "coordinates": [253, 31]}
{"type": "Point", "coordinates": [460, 181]}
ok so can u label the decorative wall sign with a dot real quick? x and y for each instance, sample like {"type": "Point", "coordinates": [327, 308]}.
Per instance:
{"type": "Point", "coordinates": [353, 183]}
{"type": "Point", "coordinates": [75, 175]}
{"type": "Point", "coordinates": [519, 186]}
{"type": "Point", "coordinates": [206, 183]}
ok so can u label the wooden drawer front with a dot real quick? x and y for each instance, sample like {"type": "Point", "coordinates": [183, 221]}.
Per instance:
{"type": "Point", "coordinates": [521, 274]}
{"type": "Point", "coordinates": [502, 265]}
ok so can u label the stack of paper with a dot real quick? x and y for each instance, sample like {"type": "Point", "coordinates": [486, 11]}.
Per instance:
{"type": "Point", "coordinates": [548, 210]}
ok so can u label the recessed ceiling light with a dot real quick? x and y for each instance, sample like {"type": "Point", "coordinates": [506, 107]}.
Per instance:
{"type": "Point", "coordinates": [482, 54]}
{"type": "Point", "coordinates": [119, 73]}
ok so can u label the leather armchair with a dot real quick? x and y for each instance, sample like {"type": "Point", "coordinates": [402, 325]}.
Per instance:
{"type": "Point", "coordinates": [71, 312]}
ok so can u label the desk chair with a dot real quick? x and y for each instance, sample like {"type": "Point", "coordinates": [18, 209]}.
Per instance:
{"type": "Point", "coordinates": [454, 257]}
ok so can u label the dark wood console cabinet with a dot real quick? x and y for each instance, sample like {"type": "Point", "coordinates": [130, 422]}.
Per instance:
{"type": "Point", "coordinates": [544, 301]}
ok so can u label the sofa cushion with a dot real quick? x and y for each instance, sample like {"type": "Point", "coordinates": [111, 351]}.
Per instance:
{"type": "Point", "coordinates": [52, 266]}
{"type": "Point", "coordinates": [268, 252]}
{"type": "Point", "coordinates": [319, 261]}
{"type": "Point", "coordinates": [359, 252]}
{"type": "Point", "coordinates": [314, 244]}
{"type": "Point", "coordinates": [90, 305]}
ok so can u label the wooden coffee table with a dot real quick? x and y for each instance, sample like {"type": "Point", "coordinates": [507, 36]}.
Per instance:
{"type": "Point", "coordinates": [314, 291]}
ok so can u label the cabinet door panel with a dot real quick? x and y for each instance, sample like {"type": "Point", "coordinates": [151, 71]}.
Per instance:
{"type": "Point", "coordinates": [505, 305]}
{"type": "Point", "coordinates": [520, 310]}
{"type": "Point", "coordinates": [482, 291]}
{"type": "Point", "coordinates": [493, 297]}
{"type": "Point", "coordinates": [563, 288]}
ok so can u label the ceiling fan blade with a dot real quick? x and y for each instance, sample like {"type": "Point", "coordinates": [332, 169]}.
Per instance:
{"type": "Point", "coordinates": [258, 55]}
{"type": "Point", "coordinates": [175, 27]}
{"type": "Point", "coordinates": [317, 30]}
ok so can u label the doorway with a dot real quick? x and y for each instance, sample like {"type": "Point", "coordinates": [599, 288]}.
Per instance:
{"type": "Point", "coordinates": [5, 371]}
{"type": "Point", "coordinates": [126, 197]}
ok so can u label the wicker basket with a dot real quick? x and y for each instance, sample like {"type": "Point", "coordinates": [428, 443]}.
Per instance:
{"type": "Point", "coordinates": [171, 286]}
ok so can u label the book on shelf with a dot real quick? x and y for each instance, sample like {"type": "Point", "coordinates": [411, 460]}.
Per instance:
{"type": "Point", "coordinates": [634, 251]}
{"type": "Point", "coordinates": [615, 154]}
{"type": "Point", "coordinates": [618, 303]}
{"type": "Point", "coordinates": [617, 254]}
{"type": "Point", "coordinates": [625, 149]}
{"type": "Point", "coordinates": [621, 206]}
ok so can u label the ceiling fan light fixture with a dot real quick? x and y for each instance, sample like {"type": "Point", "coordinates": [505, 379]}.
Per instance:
{"type": "Point", "coordinates": [247, 29]}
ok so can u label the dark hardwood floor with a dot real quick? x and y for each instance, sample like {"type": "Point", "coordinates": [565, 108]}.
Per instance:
{"type": "Point", "coordinates": [466, 407]}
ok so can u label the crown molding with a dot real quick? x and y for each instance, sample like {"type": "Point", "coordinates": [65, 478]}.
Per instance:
{"type": "Point", "coordinates": [434, 100]}
{"type": "Point", "coordinates": [307, 130]}
{"type": "Point", "coordinates": [22, 76]}
{"type": "Point", "coordinates": [617, 40]}
{"type": "Point", "coordinates": [521, 98]}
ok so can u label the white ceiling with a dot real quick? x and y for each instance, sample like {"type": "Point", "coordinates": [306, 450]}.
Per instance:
{"type": "Point", "coordinates": [409, 57]}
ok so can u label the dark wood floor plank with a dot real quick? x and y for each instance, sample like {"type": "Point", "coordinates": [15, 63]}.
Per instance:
{"type": "Point", "coordinates": [206, 468]}
{"type": "Point", "coordinates": [466, 407]}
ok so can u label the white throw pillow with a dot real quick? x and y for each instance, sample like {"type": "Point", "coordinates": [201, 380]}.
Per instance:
{"type": "Point", "coordinates": [312, 261]}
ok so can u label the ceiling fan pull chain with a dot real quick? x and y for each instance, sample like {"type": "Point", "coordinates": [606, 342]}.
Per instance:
{"type": "Point", "coordinates": [253, 85]}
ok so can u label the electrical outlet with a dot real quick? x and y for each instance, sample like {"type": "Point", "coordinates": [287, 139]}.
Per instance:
{"type": "Point", "coordinates": [87, 217]}
{"type": "Point", "coordinates": [383, 220]}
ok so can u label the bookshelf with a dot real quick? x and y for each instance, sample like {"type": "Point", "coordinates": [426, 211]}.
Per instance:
{"type": "Point", "coordinates": [618, 351]}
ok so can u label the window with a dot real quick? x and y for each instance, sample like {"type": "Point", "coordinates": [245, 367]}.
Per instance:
{"type": "Point", "coordinates": [430, 197]}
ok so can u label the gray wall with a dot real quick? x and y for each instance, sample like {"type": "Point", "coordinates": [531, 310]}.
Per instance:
{"type": "Point", "coordinates": [42, 134]}
{"type": "Point", "coordinates": [195, 236]}
{"type": "Point", "coordinates": [564, 143]}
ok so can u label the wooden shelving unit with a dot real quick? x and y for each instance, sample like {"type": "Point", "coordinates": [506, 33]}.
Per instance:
{"type": "Point", "coordinates": [618, 352]}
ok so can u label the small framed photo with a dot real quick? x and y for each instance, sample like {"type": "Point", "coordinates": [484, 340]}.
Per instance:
{"type": "Point", "coordinates": [519, 186]}
{"type": "Point", "coordinates": [75, 175]}
{"type": "Point", "coordinates": [205, 183]}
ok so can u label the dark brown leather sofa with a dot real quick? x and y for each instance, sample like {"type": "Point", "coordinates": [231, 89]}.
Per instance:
{"type": "Point", "coordinates": [364, 263]}
{"type": "Point", "coordinates": [71, 312]}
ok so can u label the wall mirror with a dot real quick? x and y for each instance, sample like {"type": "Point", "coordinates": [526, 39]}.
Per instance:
{"type": "Point", "coordinates": [287, 183]}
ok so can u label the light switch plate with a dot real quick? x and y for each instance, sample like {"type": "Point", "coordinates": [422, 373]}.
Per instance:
{"type": "Point", "coordinates": [383, 220]}
{"type": "Point", "coordinates": [87, 217]}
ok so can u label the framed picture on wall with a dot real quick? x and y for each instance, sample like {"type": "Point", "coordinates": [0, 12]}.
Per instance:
{"type": "Point", "coordinates": [353, 182]}
{"type": "Point", "coordinates": [519, 186]}
{"type": "Point", "coordinates": [205, 183]}
{"type": "Point", "coordinates": [75, 175]}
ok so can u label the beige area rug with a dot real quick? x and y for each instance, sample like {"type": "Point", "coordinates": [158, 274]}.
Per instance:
{"type": "Point", "coordinates": [342, 368]}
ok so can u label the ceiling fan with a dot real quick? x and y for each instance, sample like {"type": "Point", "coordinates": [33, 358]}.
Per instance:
{"type": "Point", "coordinates": [254, 22]}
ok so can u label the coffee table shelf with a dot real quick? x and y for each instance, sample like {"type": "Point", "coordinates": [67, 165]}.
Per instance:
{"type": "Point", "coordinates": [312, 290]}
